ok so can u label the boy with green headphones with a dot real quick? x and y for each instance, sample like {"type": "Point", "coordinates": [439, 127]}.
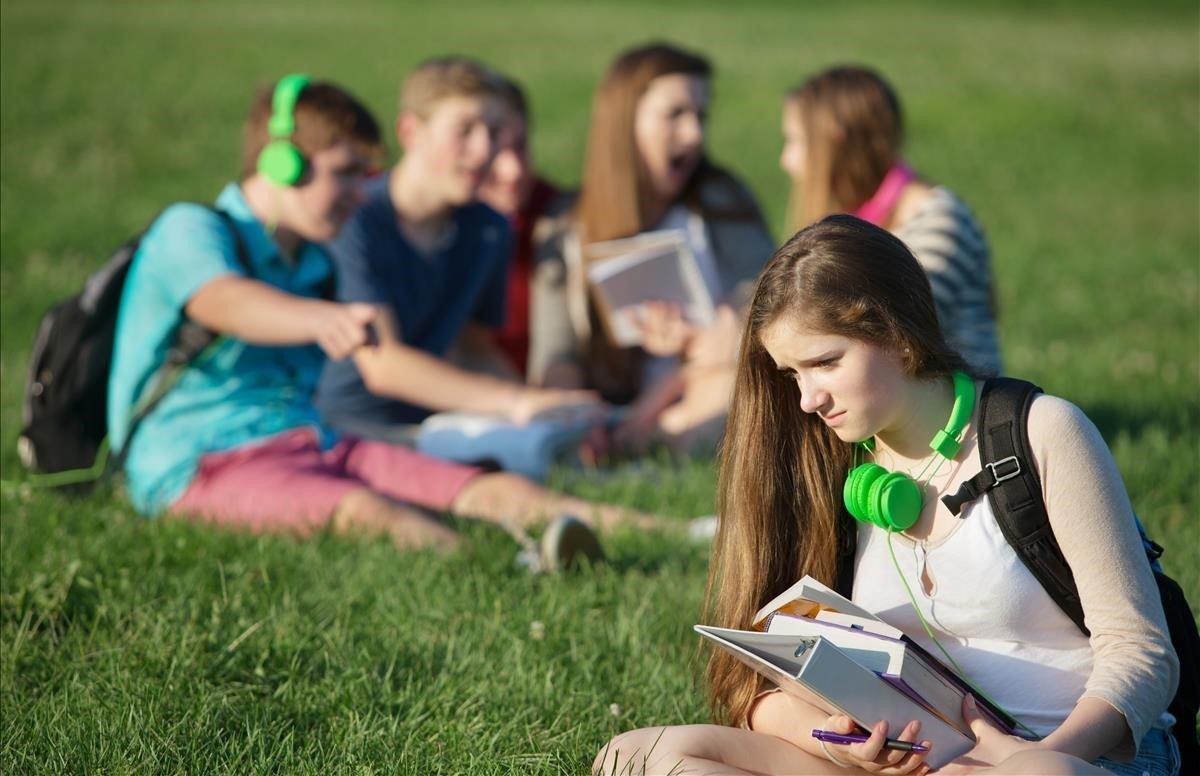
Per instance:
{"type": "Point", "coordinates": [236, 439]}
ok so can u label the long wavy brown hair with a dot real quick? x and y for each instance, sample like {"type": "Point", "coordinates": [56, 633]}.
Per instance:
{"type": "Point", "coordinates": [782, 469]}
{"type": "Point", "coordinates": [616, 199]}
{"type": "Point", "coordinates": [853, 130]}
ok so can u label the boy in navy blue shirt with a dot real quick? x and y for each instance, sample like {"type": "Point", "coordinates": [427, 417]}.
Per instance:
{"type": "Point", "coordinates": [426, 251]}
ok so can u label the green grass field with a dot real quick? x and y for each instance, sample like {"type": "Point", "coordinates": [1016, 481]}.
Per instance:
{"type": "Point", "coordinates": [133, 645]}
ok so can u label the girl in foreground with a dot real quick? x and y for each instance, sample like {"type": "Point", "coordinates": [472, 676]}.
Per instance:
{"type": "Point", "coordinates": [646, 169]}
{"type": "Point", "coordinates": [842, 345]}
{"type": "Point", "coordinates": [842, 130]}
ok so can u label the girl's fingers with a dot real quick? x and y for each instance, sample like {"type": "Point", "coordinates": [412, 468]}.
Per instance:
{"type": "Point", "coordinates": [894, 756]}
{"type": "Point", "coordinates": [839, 724]}
{"type": "Point", "coordinates": [868, 750]}
{"type": "Point", "coordinates": [915, 766]}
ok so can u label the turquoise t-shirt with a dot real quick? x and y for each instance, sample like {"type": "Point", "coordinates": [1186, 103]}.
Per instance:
{"type": "Point", "coordinates": [237, 393]}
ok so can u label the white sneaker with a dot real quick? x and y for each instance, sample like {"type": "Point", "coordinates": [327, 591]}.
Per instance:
{"type": "Point", "coordinates": [703, 529]}
{"type": "Point", "coordinates": [529, 559]}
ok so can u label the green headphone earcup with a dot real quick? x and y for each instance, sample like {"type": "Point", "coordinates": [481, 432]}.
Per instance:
{"type": "Point", "coordinates": [281, 162]}
{"type": "Point", "coordinates": [894, 501]}
{"type": "Point", "coordinates": [848, 495]}
{"type": "Point", "coordinates": [858, 485]}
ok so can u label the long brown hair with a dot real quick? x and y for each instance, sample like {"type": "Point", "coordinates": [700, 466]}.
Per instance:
{"type": "Point", "coordinates": [782, 469]}
{"type": "Point", "coordinates": [853, 129]}
{"type": "Point", "coordinates": [615, 199]}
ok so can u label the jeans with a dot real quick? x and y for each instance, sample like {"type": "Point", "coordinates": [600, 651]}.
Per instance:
{"type": "Point", "coordinates": [1157, 756]}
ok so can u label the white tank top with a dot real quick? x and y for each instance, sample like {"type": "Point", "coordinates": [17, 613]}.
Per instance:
{"type": "Point", "coordinates": [987, 610]}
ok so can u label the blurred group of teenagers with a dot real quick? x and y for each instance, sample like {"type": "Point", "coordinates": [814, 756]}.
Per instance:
{"type": "Point", "coordinates": [351, 302]}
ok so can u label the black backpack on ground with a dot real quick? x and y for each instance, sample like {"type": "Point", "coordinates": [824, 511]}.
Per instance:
{"type": "Point", "coordinates": [1010, 480]}
{"type": "Point", "coordinates": [64, 413]}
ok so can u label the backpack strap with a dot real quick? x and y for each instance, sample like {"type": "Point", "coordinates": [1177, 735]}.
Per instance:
{"type": "Point", "coordinates": [846, 550]}
{"type": "Point", "coordinates": [190, 341]}
{"type": "Point", "coordinates": [191, 338]}
{"type": "Point", "coordinates": [1010, 480]}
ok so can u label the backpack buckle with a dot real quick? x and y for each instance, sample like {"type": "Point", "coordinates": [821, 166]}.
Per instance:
{"type": "Point", "coordinates": [999, 477]}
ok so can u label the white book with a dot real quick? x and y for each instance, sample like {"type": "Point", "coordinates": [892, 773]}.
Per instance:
{"type": "Point", "coordinates": [809, 598]}
{"type": "Point", "coordinates": [890, 657]}
{"type": "Point", "coordinates": [817, 671]}
{"type": "Point", "coordinates": [655, 266]}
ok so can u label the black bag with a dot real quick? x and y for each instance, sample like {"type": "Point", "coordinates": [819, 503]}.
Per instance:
{"type": "Point", "coordinates": [1011, 482]}
{"type": "Point", "coordinates": [66, 392]}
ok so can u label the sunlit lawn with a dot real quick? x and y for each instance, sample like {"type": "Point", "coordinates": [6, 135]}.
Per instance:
{"type": "Point", "coordinates": [134, 645]}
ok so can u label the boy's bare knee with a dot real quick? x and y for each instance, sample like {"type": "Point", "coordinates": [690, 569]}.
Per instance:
{"type": "Point", "coordinates": [361, 511]}
{"type": "Point", "coordinates": [500, 495]}
{"type": "Point", "coordinates": [365, 512]}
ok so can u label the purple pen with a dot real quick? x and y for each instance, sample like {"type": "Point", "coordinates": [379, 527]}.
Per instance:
{"type": "Point", "coordinates": [855, 738]}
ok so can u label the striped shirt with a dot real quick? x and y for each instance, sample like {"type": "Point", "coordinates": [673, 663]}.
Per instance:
{"type": "Point", "coordinates": [951, 246]}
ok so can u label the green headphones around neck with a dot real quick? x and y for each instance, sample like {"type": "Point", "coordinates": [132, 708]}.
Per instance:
{"type": "Point", "coordinates": [280, 161]}
{"type": "Point", "coordinates": [893, 500]}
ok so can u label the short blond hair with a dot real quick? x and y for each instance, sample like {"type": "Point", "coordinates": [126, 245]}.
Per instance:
{"type": "Point", "coordinates": [436, 79]}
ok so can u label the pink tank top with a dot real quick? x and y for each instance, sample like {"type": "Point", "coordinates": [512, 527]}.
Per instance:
{"type": "Point", "coordinates": [880, 205]}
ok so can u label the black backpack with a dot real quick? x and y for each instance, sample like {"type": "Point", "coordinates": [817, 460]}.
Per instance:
{"type": "Point", "coordinates": [1011, 483]}
{"type": "Point", "coordinates": [66, 392]}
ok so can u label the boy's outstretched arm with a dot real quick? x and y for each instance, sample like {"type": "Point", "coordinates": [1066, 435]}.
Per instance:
{"type": "Point", "coordinates": [258, 313]}
{"type": "Point", "coordinates": [403, 372]}
{"type": "Point", "coordinates": [476, 351]}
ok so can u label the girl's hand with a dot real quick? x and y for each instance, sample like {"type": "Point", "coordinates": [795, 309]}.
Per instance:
{"type": "Point", "coordinates": [992, 745]}
{"type": "Point", "coordinates": [665, 332]}
{"type": "Point", "coordinates": [870, 755]}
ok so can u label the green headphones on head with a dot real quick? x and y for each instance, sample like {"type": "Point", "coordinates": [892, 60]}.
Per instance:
{"type": "Point", "coordinates": [893, 500]}
{"type": "Point", "coordinates": [280, 161]}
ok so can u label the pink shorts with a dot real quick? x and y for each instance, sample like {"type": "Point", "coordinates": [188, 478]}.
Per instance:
{"type": "Point", "coordinates": [289, 482]}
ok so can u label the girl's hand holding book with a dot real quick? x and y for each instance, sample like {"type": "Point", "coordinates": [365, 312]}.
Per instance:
{"type": "Point", "coordinates": [994, 745]}
{"type": "Point", "coordinates": [872, 755]}
{"type": "Point", "coordinates": [665, 332]}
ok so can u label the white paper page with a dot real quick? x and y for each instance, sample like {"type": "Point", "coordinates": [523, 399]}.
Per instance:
{"type": "Point", "coordinates": [869, 624]}
{"type": "Point", "coordinates": [878, 653]}
{"type": "Point", "coordinates": [608, 258]}
{"type": "Point", "coordinates": [809, 589]}
{"type": "Point", "coordinates": [602, 250]}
